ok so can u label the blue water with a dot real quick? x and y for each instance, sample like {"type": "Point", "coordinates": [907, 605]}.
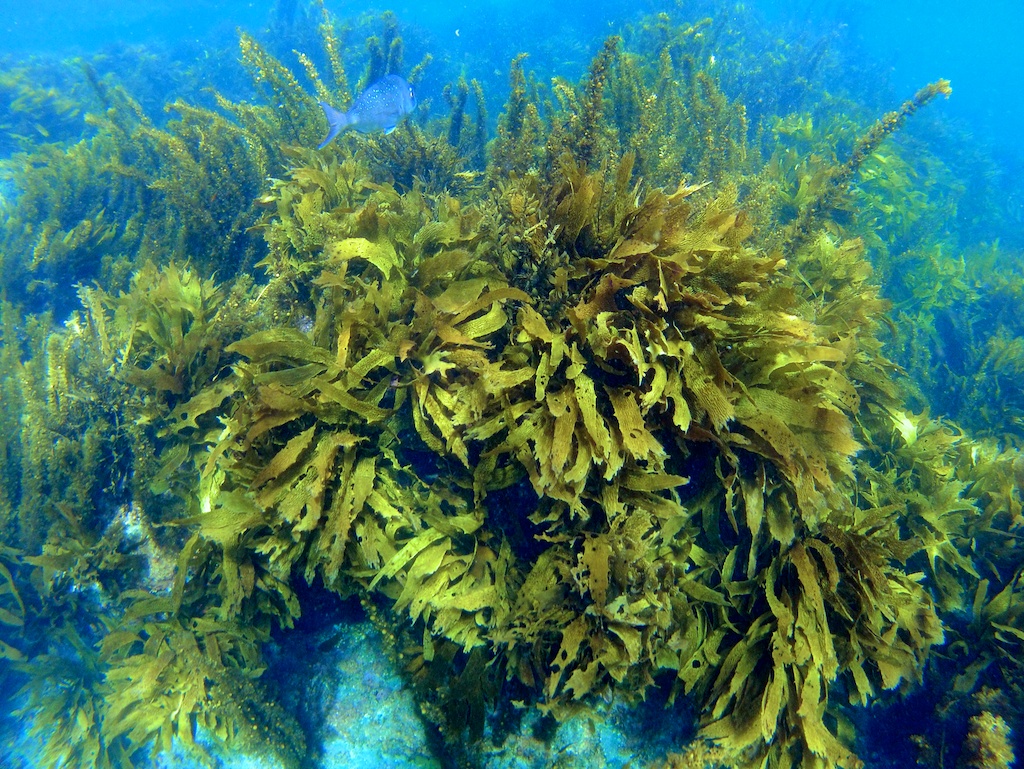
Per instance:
{"type": "Point", "coordinates": [974, 45]}
{"type": "Point", "coordinates": [904, 45]}
{"type": "Point", "coordinates": [877, 53]}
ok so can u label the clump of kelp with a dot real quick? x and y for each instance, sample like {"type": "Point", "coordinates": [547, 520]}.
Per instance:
{"type": "Point", "coordinates": [576, 416]}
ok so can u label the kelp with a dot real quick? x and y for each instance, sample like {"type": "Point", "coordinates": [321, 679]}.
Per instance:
{"type": "Point", "coordinates": [13, 399]}
{"type": "Point", "coordinates": [673, 117]}
{"type": "Point", "coordinates": [37, 107]}
{"type": "Point", "coordinates": [114, 403]}
{"type": "Point", "coordinates": [988, 743]}
{"type": "Point", "coordinates": [672, 112]}
{"type": "Point", "coordinates": [609, 420]}
{"type": "Point", "coordinates": [12, 605]}
{"type": "Point", "coordinates": [671, 347]}
{"type": "Point", "coordinates": [95, 208]}
{"type": "Point", "coordinates": [166, 680]}
{"type": "Point", "coordinates": [155, 676]}
{"type": "Point", "coordinates": [110, 425]}
{"type": "Point", "coordinates": [515, 148]}
{"type": "Point", "coordinates": [132, 190]}
{"type": "Point", "coordinates": [66, 697]}
{"type": "Point", "coordinates": [467, 132]}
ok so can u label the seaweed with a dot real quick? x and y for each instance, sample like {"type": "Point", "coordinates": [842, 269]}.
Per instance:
{"type": "Point", "coordinates": [37, 107]}
{"type": "Point", "coordinates": [166, 680]}
{"type": "Point", "coordinates": [670, 109]}
{"type": "Point", "coordinates": [834, 186]}
{"type": "Point", "coordinates": [663, 330]}
{"type": "Point", "coordinates": [467, 134]}
{"type": "Point", "coordinates": [516, 147]}
{"type": "Point", "coordinates": [963, 335]}
{"type": "Point", "coordinates": [610, 415]}
{"type": "Point", "coordinates": [66, 699]}
{"type": "Point", "coordinates": [94, 209]}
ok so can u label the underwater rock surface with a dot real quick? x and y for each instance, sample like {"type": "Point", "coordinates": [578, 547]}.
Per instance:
{"type": "Point", "coordinates": [369, 718]}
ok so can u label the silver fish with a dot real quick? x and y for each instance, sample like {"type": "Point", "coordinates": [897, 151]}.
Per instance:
{"type": "Point", "coordinates": [378, 108]}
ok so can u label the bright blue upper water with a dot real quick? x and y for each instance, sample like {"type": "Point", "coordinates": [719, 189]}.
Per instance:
{"type": "Point", "coordinates": [904, 44]}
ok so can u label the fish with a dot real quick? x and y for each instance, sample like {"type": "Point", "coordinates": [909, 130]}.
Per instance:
{"type": "Point", "coordinates": [378, 108]}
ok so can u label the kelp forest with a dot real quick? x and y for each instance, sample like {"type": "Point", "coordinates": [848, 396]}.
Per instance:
{"type": "Point", "coordinates": [643, 380]}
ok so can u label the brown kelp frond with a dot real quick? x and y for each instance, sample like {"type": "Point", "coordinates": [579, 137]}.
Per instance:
{"type": "Point", "coordinates": [578, 129]}
{"type": "Point", "coordinates": [836, 609]}
{"type": "Point", "coordinates": [516, 148]}
{"type": "Point", "coordinates": [674, 118]}
{"type": "Point", "coordinates": [66, 695]}
{"type": "Point", "coordinates": [294, 111]}
{"type": "Point", "coordinates": [666, 327]}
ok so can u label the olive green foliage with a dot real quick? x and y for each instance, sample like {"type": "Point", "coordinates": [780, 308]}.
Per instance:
{"type": "Point", "coordinates": [962, 334]}
{"type": "Point", "coordinates": [108, 406]}
{"type": "Point", "coordinates": [116, 414]}
{"type": "Point", "coordinates": [128, 194]}
{"type": "Point", "coordinates": [669, 346]}
{"type": "Point", "coordinates": [965, 508]}
{"type": "Point", "coordinates": [467, 132]}
{"type": "Point", "coordinates": [12, 606]}
{"type": "Point", "coordinates": [70, 452]}
{"type": "Point", "coordinates": [830, 189]}
{"type": "Point", "coordinates": [111, 417]}
{"type": "Point", "coordinates": [33, 113]}
{"type": "Point", "coordinates": [672, 112]}
{"type": "Point", "coordinates": [585, 427]}
{"type": "Point", "coordinates": [664, 107]}
{"type": "Point", "coordinates": [515, 148]}
{"type": "Point", "coordinates": [66, 698]}
{"type": "Point", "coordinates": [132, 191]}
{"type": "Point", "coordinates": [171, 669]}
{"type": "Point", "coordinates": [60, 227]}
{"type": "Point", "coordinates": [386, 51]}
{"type": "Point", "coordinates": [12, 396]}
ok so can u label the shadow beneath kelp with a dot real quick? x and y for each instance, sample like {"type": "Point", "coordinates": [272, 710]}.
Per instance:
{"type": "Point", "coordinates": [655, 727]}
{"type": "Point", "coordinates": [896, 736]}
{"type": "Point", "coordinates": [936, 727]}
{"type": "Point", "coordinates": [336, 672]}
{"type": "Point", "coordinates": [302, 662]}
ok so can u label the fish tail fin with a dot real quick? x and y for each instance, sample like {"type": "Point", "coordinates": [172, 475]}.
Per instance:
{"type": "Point", "coordinates": [336, 123]}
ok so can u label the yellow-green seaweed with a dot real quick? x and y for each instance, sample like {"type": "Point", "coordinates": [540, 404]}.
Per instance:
{"type": "Point", "coordinates": [679, 377]}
